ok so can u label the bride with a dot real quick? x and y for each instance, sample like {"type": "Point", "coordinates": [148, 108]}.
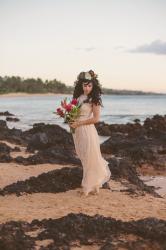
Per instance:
{"type": "Point", "coordinates": [86, 140]}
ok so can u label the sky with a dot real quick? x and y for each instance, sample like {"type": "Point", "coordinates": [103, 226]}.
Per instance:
{"type": "Point", "coordinates": [123, 41]}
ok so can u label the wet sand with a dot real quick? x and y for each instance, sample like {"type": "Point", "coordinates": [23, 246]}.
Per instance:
{"type": "Point", "coordinates": [157, 181]}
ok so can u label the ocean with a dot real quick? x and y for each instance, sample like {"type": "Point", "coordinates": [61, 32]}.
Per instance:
{"type": "Point", "coordinates": [119, 109]}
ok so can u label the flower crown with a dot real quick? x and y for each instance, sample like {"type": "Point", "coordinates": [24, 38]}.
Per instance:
{"type": "Point", "coordinates": [87, 76]}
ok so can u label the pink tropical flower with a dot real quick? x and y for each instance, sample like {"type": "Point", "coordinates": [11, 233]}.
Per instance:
{"type": "Point", "coordinates": [74, 101]}
{"type": "Point", "coordinates": [60, 112]}
{"type": "Point", "coordinates": [69, 107]}
{"type": "Point", "coordinates": [63, 104]}
{"type": "Point", "coordinates": [69, 111]}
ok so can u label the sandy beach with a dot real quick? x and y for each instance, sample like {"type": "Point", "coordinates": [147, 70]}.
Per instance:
{"type": "Point", "coordinates": [32, 192]}
{"type": "Point", "coordinates": [38, 206]}
{"type": "Point", "coordinates": [22, 94]}
{"type": "Point", "coordinates": [112, 202]}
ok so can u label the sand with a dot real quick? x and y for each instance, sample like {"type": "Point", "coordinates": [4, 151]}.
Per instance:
{"type": "Point", "coordinates": [119, 205]}
{"type": "Point", "coordinates": [109, 203]}
{"type": "Point", "coordinates": [30, 94]}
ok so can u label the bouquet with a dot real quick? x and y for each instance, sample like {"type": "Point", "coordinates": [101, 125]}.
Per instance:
{"type": "Point", "coordinates": [69, 111]}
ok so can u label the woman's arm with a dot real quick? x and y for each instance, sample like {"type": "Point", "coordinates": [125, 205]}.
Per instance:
{"type": "Point", "coordinates": [95, 118]}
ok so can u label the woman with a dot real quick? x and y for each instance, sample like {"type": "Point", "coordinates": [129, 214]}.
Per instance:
{"type": "Point", "coordinates": [86, 140]}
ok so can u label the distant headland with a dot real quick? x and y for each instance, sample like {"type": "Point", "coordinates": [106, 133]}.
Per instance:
{"type": "Point", "coordinates": [16, 84]}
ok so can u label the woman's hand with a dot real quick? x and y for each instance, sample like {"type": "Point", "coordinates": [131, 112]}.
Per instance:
{"type": "Point", "coordinates": [74, 124]}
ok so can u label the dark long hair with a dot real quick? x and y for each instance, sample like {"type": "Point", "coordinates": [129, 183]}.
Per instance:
{"type": "Point", "coordinates": [95, 95]}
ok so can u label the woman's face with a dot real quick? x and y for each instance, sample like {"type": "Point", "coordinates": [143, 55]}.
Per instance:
{"type": "Point", "coordinates": [87, 87]}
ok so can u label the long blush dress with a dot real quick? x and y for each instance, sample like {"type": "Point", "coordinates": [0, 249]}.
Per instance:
{"type": "Point", "coordinates": [87, 145]}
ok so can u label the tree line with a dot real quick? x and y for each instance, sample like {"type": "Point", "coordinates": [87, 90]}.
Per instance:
{"type": "Point", "coordinates": [30, 85]}
{"type": "Point", "coordinates": [16, 84]}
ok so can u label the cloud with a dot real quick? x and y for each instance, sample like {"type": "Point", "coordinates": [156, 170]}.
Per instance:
{"type": "Point", "coordinates": [119, 47]}
{"type": "Point", "coordinates": [87, 49]}
{"type": "Point", "coordinates": [155, 47]}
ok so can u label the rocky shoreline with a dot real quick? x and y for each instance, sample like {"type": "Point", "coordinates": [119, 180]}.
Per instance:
{"type": "Point", "coordinates": [80, 229]}
{"type": "Point", "coordinates": [130, 149]}
{"type": "Point", "coordinates": [141, 143]}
